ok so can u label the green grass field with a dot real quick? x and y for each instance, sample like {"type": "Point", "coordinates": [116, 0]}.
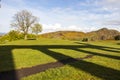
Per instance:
{"type": "Point", "coordinates": [104, 65]}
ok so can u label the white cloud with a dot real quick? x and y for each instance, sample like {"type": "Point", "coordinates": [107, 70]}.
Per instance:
{"type": "Point", "coordinates": [112, 22]}
{"type": "Point", "coordinates": [52, 27]}
{"type": "Point", "coordinates": [111, 4]}
{"type": "Point", "coordinates": [59, 27]}
{"type": "Point", "coordinates": [112, 1]}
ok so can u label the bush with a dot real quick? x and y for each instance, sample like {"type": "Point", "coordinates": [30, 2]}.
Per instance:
{"type": "Point", "coordinates": [11, 36]}
{"type": "Point", "coordinates": [117, 37]}
{"type": "Point", "coordinates": [15, 35]}
{"type": "Point", "coordinates": [31, 37]}
{"type": "Point", "coordinates": [85, 39]}
{"type": "Point", "coordinates": [4, 39]}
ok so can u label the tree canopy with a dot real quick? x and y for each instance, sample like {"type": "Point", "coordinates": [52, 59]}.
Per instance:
{"type": "Point", "coordinates": [37, 28]}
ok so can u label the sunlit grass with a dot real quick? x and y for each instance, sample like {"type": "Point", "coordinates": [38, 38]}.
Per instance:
{"type": "Point", "coordinates": [106, 54]}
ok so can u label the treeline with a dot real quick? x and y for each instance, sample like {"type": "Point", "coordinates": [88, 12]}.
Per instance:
{"type": "Point", "coordinates": [101, 34]}
{"type": "Point", "coordinates": [15, 35]}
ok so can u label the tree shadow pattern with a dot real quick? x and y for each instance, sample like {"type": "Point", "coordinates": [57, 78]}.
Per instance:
{"type": "Point", "coordinates": [118, 43]}
{"type": "Point", "coordinates": [92, 68]}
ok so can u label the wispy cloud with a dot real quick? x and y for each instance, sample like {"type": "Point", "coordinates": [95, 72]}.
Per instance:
{"type": "Point", "coordinates": [112, 22]}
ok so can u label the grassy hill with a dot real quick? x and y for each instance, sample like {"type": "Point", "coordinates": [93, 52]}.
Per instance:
{"type": "Point", "coordinates": [102, 34]}
{"type": "Point", "coordinates": [21, 54]}
{"type": "Point", "coordinates": [70, 35]}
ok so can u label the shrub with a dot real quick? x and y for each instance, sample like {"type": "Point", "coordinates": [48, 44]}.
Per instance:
{"type": "Point", "coordinates": [85, 39]}
{"type": "Point", "coordinates": [11, 36]}
{"type": "Point", "coordinates": [31, 36]}
{"type": "Point", "coordinates": [15, 35]}
{"type": "Point", "coordinates": [4, 39]}
{"type": "Point", "coordinates": [117, 37]}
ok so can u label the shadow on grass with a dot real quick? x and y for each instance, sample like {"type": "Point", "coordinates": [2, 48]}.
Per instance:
{"type": "Point", "coordinates": [104, 48]}
{"type": "Point", "coordinates": [118, 43]}
{"type": "Point", "coordinates": [6, 60]}
{"type": "Point", "coordinates": [98, 54]}
{"type": "Point", "coordinates": [93, 69]}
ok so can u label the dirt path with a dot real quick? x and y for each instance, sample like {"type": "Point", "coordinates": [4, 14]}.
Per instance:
{"type": "Point", "coordinates": [18, 74]}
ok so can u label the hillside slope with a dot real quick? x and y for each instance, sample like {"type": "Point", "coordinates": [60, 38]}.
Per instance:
{"type": "Point", "coordinates": [101, 34]}
{"type": "Point", "coordinates": [65, 35]}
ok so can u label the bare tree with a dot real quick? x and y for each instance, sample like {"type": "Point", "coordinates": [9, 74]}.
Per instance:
{"type": "Point", "coordinates": [23, 20]}
{"type": "Point", "coordinates": [37, 28]}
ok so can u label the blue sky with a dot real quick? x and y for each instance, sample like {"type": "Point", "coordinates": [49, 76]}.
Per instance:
{"type": "Point", "coordinates": [57, 15]}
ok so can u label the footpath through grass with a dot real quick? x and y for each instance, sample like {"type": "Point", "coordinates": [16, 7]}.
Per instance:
{"type": "Point", "coordinates": [27, 53]}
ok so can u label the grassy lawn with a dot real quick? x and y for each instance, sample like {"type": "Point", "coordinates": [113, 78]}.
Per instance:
{"type": "Point", "coordinates": [105, 65]}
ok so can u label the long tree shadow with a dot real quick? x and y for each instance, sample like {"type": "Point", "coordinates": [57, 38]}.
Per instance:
{"type": "Point", "coordinates": [118, 43]}
{"type": "Point", "coordinates": [98, 54]}
{"type": "Point", "coordinates": [94, 69]}
{"type": "Point", "coordinates": [104, 48]}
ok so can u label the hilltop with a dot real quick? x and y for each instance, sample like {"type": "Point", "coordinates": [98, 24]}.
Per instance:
{"type": "Point", "coordinates": [101, 34]}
